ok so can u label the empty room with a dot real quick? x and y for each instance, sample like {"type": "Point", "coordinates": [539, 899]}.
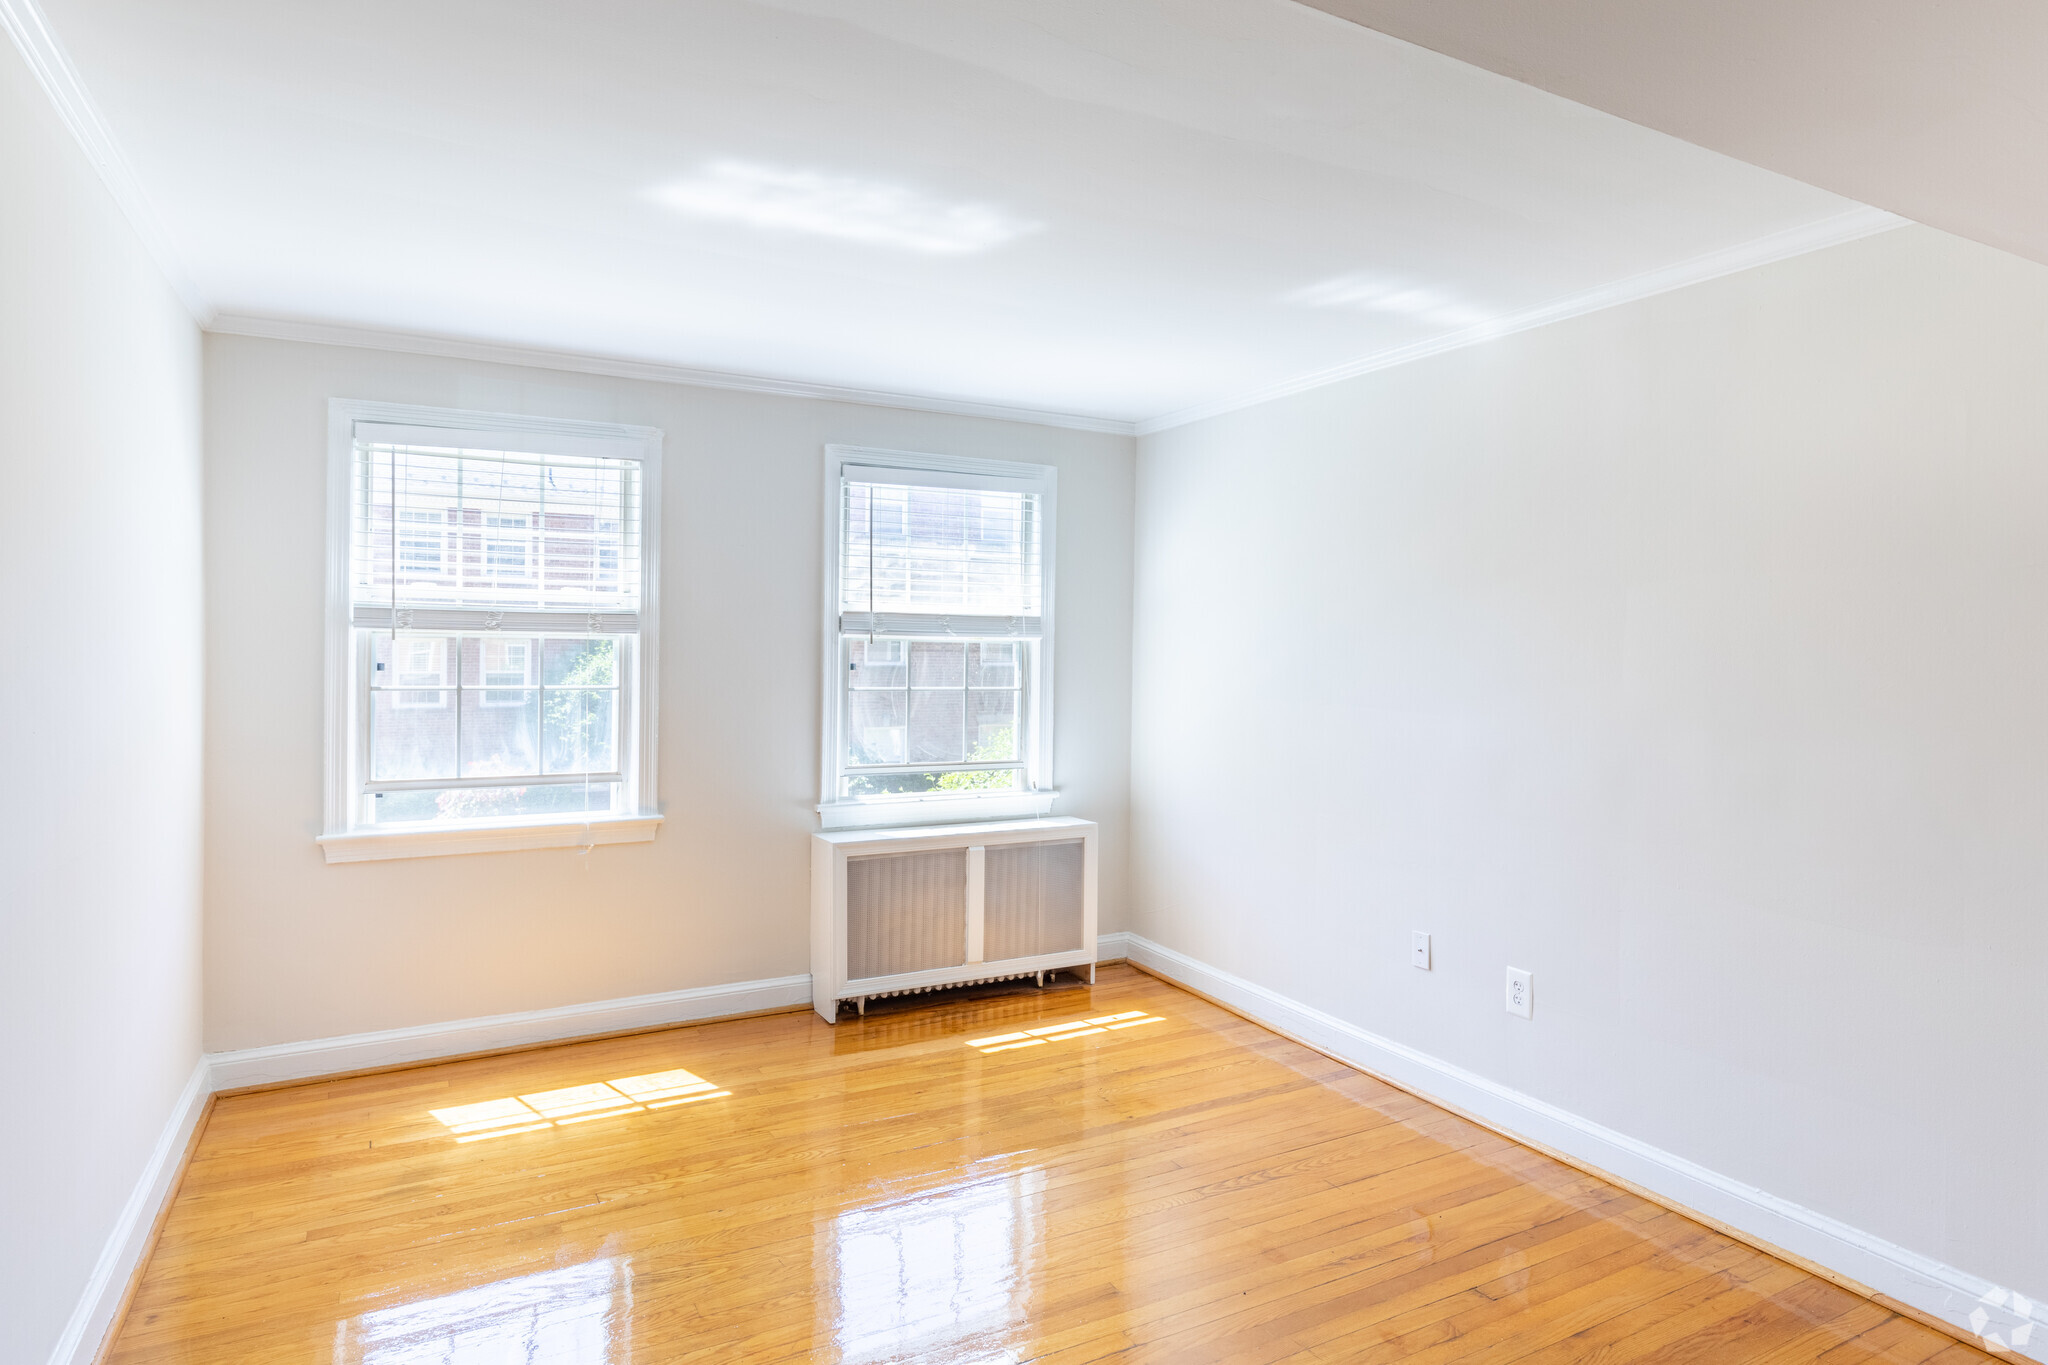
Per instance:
{"type": "Point", "coordinates": [1024, 682]}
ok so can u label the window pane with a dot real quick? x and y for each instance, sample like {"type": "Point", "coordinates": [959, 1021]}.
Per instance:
{"type": "Point", "coordinates": [936, 733]}
{"type": "Point", "coordinates": [481, 803]}
{"type": "Point", "coordinates": [498, 661]}
{"type": "Point", "coordinates": [578, 726]}
{"type": "Point", "coordinates": [500, 737]}
{"type": "Point", "coordinates": [412, 735]}
{"type": "Point", "coordinates": [910, 784]}
{"type": "Point", "coordinates": [993, 665]}
{"type": "Point", "coordinates": [878, 663]}
{"type": "Point", "coordinates": [937, 665]}
{"type": "Point", "coordinates": [580, 662]}
{"type": "Point", "coordinates": [411, 661]}
{"type": "Point", "coordinates": [874, 727]}
{"type": "Point", "coordinates": [992, 722]}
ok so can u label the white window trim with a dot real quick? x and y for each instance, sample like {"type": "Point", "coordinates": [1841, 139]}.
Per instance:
{"type": "Point", "coordinates": [953, 807]}
{"type": "Point", "coordinates": [343, 842]}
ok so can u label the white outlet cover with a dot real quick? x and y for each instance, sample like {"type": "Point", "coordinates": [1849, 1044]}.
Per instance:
{"type": "Point", "coordinates": [1521, 993]}
{"type": "Point", "coordinates": [1418, 952]}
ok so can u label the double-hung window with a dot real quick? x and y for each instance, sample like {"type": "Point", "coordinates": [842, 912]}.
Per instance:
{"type": "Point", "coordinates": [938, 639]}
{"type": "Point", "coordinates": [491, 644]}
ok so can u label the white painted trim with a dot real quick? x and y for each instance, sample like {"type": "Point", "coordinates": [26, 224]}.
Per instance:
{"type": "Point", "coordinates": [366, 846]}
{"type": "Point", "coordinates": [1778, 246]}
{"type": "Point", "coordinates": [459, 1037]}
{"type": "Point", "coordinates": [835, 813]}
{"type": "Point", "coordinates": [128, 1243]}
{"type": "Point", "coordinates": [498, 353]}
{"type": "Point", "coordinates": [1114, 947]}
{"type": "Point", "coordinates": [1943, 1291]}
{"type": "Point", "coordinates": [949, 809]}
{"type": "Point", "coordinates": [342, 839]}
{"type": "Point", "coordinates": [46, 57]}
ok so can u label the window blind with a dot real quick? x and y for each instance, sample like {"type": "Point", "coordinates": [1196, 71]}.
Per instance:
{"type": "Point", "coordinates": [926, 560]}
{"type": "Point", "coordinates": [443, 537]}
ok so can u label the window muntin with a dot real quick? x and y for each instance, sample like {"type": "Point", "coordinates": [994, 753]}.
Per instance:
{"type": "Point", "coordinates": [940, 604]}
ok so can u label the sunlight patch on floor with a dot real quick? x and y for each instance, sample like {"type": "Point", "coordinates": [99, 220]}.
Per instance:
{"type": "Point", "coordinates": [1059, 1033]}
{"type": "Point", "coordinates": [575, 1104]}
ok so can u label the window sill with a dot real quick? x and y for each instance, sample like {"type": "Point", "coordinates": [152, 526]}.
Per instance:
{"type": "Point", "coordinates": [934, 810]}
{"type": "Point", "coordinates": [372, 845]}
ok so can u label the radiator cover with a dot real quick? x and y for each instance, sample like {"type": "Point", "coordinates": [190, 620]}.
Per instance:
{"type": "Point", "coordinates": [897, 910]}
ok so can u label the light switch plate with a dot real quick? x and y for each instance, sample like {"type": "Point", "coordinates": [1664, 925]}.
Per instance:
{"type": "Point", "coordinates": [1521, 993]}
{"type": "Point", "coordinates": [1418, 951]}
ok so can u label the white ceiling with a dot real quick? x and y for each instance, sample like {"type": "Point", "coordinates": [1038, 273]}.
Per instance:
{"type": "Point", "coordinates": [1935, 109]}
{"type": "Point", "coordinates": [1116, 208]}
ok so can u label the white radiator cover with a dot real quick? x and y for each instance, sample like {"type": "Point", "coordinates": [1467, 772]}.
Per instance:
{"type": "Point", "coordinates": [909, 909]}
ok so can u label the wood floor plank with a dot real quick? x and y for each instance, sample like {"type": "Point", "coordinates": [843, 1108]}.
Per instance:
{"type": "Point", "coordinates": [1194, 1189]}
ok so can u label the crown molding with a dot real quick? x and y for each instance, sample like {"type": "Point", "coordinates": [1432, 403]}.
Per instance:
{"type": "Point", "coordinates": [46, 57]}
{"type": "Point", "coordinates": [1778, 246]}
{"type": "Point", "coordinates": [421, 343]}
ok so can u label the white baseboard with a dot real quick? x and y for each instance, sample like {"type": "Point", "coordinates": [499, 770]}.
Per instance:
{"type": "Point", "coordinates": [128, 1243]}
{"type": "Point", "coordinates": [1940, 1290]}
{"type": "Point", "coordinates": [1999, 1317]}
{"type": "Point", "coordinates": [395, 1047]}
{"type": "Point", "coordinates": [218, 1071]}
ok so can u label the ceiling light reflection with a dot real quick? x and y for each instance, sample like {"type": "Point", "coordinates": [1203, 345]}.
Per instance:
{"type": "Point", "coordinates": [575, 1104]}
{"type": "Point", "coordinates": [842, 207]}
{"type": "Point", "coordinates": [1370, 293]}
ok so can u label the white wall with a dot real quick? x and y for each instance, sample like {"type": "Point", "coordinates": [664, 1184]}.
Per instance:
{"type": "Point", "coordinates": [1692, 655]}
{"type": "Point", "coordinates": [298, 949]}
{"type": "Point", "coordinates": [100, 595]}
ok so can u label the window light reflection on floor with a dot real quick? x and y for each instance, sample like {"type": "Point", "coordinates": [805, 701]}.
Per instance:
{"type": "Point", "coordinates": [1059, 1033]}
{"type": "Point", "coordinates": [573, 1315]}
{"type": "Point", "coordinates": [575, 1104]}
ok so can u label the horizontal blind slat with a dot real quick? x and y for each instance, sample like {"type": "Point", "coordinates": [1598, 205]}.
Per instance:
{"type": "Point", "coordinates": [962, 627]}
{"type": "Point", "coordinates": [371, 616]}
{"type": "Point", "coordinates": [471, 530]}
{"type": "Point", "coordinates": [917, 551]}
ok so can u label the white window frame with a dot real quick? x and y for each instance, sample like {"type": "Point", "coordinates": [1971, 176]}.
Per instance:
{"type": "Point", "coordinates": [945, 471]}
{"type": "Point", "coordinates": [345, 838]}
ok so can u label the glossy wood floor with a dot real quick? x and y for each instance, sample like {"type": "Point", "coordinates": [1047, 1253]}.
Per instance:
{"type": "Point", "coordinates": [1122, 1174]}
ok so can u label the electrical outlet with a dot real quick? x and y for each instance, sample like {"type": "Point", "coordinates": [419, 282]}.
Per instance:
{"type": "Point", "coordinates": [1521, 993]}
{"type": "Point", "coordinates": [1418, 951]}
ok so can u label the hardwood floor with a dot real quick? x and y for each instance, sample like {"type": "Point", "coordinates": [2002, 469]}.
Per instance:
{"type": "Point", "coordinates": [962, 1182]}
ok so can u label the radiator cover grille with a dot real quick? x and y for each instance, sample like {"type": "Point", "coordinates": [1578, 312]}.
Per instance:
{"type": "Point", "coordinates": [1032, 900]}
{"type": "Point", "coordinates": [905, 912]}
